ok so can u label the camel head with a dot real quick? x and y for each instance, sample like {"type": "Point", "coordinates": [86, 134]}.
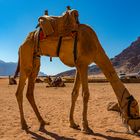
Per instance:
{"type": "Point", "coordinates": [133, 117]}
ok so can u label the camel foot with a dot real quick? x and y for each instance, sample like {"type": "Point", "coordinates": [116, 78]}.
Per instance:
{"type": "Point", "coordinates": [42, 125]}
{"type": "Point", "coordinates": [87, 131]}
{"type": "Point", "coordinates": [25, 127]}
{"type": "Point", "coordinates": [75, 126]}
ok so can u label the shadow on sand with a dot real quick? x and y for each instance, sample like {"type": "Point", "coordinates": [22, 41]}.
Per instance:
{"type": "Point", "coordinates": [109, 137]}
{"type": "Point", "coordinates": [57, 137]}
{"type": "Point", "coordinates": [130, 133]}
{"type": "Point", "coordinates": [51, 134]}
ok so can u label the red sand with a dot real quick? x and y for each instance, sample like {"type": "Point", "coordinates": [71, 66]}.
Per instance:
{"type": "Point", "coordinates": [54, 105]}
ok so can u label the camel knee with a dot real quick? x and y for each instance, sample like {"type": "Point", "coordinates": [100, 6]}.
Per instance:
{"type": "Point", "coordinates": [28, 71]}
{"type": "Point", "coordinates": [29, 96]}
{"type": "Point", "coordinates": [85, 96]}
{"type": "Point", "coordinates": [75, 93]}
{"type": "Point", "coordinates": [17, 96]}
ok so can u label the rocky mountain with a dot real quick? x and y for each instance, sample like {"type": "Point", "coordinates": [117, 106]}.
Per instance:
{"type": "Point", "coordinates": [8, 68]}
{"type": "Point", "coordinates": [127, 61]}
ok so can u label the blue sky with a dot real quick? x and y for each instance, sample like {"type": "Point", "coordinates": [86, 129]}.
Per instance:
{"type": "Point", "coordinates": [116, 22]}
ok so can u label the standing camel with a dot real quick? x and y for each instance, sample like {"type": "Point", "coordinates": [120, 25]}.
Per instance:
{"type": "Point", "coordinates": [88, 50]}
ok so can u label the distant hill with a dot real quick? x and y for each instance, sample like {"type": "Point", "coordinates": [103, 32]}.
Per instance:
{"type": "Point", "coordinates": [127, 61]}
{"type": "Point", "coordinates": [8, 68]}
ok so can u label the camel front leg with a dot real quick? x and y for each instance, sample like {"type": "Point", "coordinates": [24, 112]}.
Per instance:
{"type": "Point", "coordinates": [74, 97]}
{"type": "Point", "coordinates": [83, 70]}
{"type": "Point", "coordinates": [19, 97]}
{"type": "Point", "coordinates": [30, 90]}
{"type": "Point", "coordinates": [120, 90]}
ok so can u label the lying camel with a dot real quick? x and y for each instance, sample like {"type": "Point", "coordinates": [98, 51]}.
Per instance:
{"type": "Point", "coordinates": [57, 82]}
{"type": "Point", "coordinates": [12, 81]}
{"type": "Point", "coordinates": [86, 50]}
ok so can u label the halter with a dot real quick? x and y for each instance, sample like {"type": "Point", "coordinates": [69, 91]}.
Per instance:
{"type": "Point", "coordinates": [131, 116]}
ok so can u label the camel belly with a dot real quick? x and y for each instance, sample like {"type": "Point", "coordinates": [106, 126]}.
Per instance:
{"type": "Point", "coordinates": [49, 47]}
{"type": "Point", "coordinates": [66, 51]}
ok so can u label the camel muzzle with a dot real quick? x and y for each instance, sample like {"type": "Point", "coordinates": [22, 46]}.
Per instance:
{"type": "Point", "coordinates": [134, 124]}
{"type": "Point", "coordinates": [133, 114]}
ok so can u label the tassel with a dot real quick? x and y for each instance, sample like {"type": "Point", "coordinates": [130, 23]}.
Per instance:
{"type": "Point", "coordinates": [50, 59]}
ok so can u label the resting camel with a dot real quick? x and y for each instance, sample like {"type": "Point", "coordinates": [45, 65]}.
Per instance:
{"type": "Point", "coordinates": [12, 81]}
{"type": "Point", "coordinates": [57, 82]}
{"type": "Point", "coordinates": [80, 53]}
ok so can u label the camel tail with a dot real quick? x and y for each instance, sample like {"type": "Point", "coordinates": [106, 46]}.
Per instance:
{"type": "Point", "coordinates": [18, 68]}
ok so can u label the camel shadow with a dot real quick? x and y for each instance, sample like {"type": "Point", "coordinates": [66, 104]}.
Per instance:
{"type": "Point", "coordinates": [57, 137]}
{"type": "Point", "coordinates": [51, 134]}
{"type": "Point", "coordinates": [129, 133]}
{"type": "Point", "coordinates": [109, 137]}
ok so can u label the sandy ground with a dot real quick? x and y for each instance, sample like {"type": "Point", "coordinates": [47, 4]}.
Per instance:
{"type": "Point", "coordinates": [54, 105]}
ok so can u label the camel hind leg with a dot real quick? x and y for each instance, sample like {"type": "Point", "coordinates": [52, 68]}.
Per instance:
{"type": "Point", "coordinates": [30, 90]}
{"type": "Point", "coordinates": [19, 96]}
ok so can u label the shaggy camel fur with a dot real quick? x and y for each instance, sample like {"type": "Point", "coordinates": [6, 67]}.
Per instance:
{"type": "Point", "coordinates": [88, 50]}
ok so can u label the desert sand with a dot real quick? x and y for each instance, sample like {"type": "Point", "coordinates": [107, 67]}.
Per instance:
{"type": "Point", "coordinates": [54, 105]}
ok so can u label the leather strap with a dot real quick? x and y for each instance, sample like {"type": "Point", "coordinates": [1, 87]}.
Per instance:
{"type": "Point", "coordinates": [59, 45]}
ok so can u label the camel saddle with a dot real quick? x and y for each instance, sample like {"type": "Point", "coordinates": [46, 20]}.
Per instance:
{"type": "Point", "coordinates": [59, 25]}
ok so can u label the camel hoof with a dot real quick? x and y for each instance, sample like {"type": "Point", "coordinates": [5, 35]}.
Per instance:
{"type": "Point", "coordinates": [87, 131]}
{"type": "Point", "coordinates": [25, 127]}
{"type": "Point", "coordinates": [42, 125]}
{"type": "Point", "coordinates": [75, 126]}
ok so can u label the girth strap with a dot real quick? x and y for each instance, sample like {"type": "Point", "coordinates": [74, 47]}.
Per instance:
{"type": "Point", "coordinates": [59, 45]}
{"type": "Point", "coordinates": [74, 46]}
